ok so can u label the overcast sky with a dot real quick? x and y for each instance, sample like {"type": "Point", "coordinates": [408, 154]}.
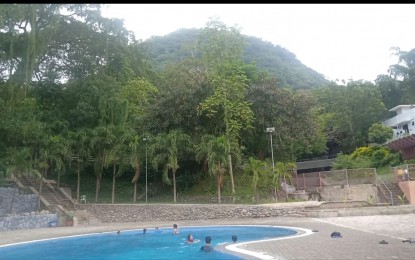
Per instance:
{"type": "Point", "coordinates": [340, 41]}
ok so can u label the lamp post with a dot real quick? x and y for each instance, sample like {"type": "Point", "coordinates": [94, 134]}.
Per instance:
{"type": "Point", "coordinates": [271, 130]}
{"type": "Point", "coordinates": [145, 139]}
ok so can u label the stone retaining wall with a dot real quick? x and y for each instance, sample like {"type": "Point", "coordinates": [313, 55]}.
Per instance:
{"type": "Point", "coordinates": [17, 211]}
{"type": "Point", "coordinates": [15, 201]}
{"type": "Point", "coordinates": [142, 213]}
{"type": "Point", "coordinates": [27, 220]}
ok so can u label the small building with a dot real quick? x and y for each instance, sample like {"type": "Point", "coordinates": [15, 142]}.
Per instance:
{"type": "Point", "coordinates": [314, 165]}
{"type": "Point", "coordinates": [403, 125]}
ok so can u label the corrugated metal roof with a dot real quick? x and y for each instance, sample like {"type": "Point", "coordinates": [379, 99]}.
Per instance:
{"type": "Point", "coordinates": [315, 164]}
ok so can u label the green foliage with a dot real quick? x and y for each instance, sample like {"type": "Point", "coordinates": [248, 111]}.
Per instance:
{"type": "Point", "coordinates": [379, 133]}
{"type": "Point", "coordinates": [378, 155]}
{"type": "Point", "coordinates": [299, 130]}
{"type": "Point", "coordinates": [352, 110]}
{"type": "Point", "coordinates": [212, 150]}
{"type": "Point", "coordinates": [403, 74]}
{"type": "Point", "coordinates": [139, 93]}
{"type": "Point", "coordinates": [283, 172]}
{"type": "Point", "coordinates": [371, 199]}
{"type": "Point", "coordinates": [222, 49]}
{"type": "Point", "coordinates": [273, 60]}
{"type": "Point", "coordinates": [166, 151]}
{"type": "Point", "coordinates": [78, 94]}
{"type": "Point", "coordinates": [401, 198]}
{"type": "Point", "coordinates": [374, 156]}
{"type": "Point", "coordinates": [183, 86]}
{"type": "Point", "coordinates": [344, 161]}
{"type": "Point", "coordinates": [258, 169]}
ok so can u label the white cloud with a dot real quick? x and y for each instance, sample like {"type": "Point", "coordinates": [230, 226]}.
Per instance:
{"type": "Point", "coordinates": [341, 41]}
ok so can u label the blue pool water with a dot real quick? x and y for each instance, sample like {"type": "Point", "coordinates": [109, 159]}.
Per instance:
{"type": "Point", "coordinates": [133, 244]}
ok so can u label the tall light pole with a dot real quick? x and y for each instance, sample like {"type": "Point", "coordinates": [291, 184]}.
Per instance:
{"type": "Point", "coordinates": [271, 130]}
{"type": "Point", "coordinates": [145, 139]}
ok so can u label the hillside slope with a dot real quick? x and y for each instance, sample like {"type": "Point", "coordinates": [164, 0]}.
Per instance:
{"type": "Point", "coordinates": [278, 62]}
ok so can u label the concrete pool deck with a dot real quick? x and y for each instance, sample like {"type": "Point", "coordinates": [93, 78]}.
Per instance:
{"type": "Point", "coordinates": [361, 236]}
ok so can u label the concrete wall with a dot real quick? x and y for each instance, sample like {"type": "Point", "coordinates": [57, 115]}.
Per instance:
{"type": "Point", "coordinates": [362, 192]}
{"type": "Point", "coordinates": [408, 188]}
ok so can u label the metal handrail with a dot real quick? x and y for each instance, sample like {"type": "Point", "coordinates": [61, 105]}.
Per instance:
{"type": "Point", "coordinates": [390, 192]}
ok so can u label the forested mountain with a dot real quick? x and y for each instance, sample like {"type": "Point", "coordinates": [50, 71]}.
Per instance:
{"type": "Point", "coordinates": [276, 61]}
{"type": "Point", "coordinates": [79, 95]}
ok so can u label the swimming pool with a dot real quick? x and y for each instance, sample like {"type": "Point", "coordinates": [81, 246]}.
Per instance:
{"type": "Point", "coordinates": [134, 244]}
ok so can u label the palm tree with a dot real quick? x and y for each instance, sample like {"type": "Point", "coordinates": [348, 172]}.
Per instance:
{"type": "Point", "coordinates": [213, 151]}
{"type": "Point", "coordinates": [43, 165]}
{"type": "Point", "coordinates": [102, 141]}
{"type": "Point", "coordinates": [166, 151]}
{"type": "Point", "coordinates": [257, 168]}
{"type": "Point", "coordinates": [79, 145]}
{"type": "Point", "coordinates": [135, 145]}
{"type": "Point", "coordinates": [282, 172]}
{"type": "Point", "coordinates": [115, 155]}
{"type": "Point", "coordinates": [60, 152]}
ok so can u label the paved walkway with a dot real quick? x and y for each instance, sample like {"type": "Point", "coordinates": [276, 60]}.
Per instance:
{"type": "Point", "coordinates": [361, 236]}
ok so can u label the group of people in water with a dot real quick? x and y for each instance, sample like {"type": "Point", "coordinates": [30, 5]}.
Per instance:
{"type": "Point", "coordinates": [208, 239]}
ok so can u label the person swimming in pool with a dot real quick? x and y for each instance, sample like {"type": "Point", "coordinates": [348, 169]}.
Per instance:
{"type": "Point", "coordinates": [190, 238]}
{"type": "Point", "coordinates": [207, 247]}
{"type": "Point", "coordinates": [175, 229]}
{"type": "Point", "coordinates": [234, 238]}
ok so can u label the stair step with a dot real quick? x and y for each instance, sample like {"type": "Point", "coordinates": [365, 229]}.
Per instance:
{"type": "Point", "coordinates": [86, 218]}
{"type": "Point", "coordinates": [51, 195]}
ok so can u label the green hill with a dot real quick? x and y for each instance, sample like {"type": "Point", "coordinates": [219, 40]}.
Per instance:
{"type": "Point", "coordinates": [278, 62]}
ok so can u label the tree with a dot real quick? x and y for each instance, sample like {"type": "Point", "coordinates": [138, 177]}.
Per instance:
{"type": "Point", "coordinates": [60, 153]}
{"type": "Point", "coordinates": [101, 143]}
{"type": "Point", "coordinates": [166, 151]}
{"type": "Point", "coordinates": [33, 31]}
{"type": "Point", "coordinates": [282, 173]}
{"type": "Point", "coordinates": [392, 93]}
{"type": "Point", "coordinates": [139, 93]}
{"type": "Point", "coordinates": [43, 166]}
{"type": "Point", "coordinates": [404, 74]}
{"type": "Point", "coordinates": [299, 131]}
{"type": "Point", "coordinates": [222, 51]}
{"type": "Point", "coordinates": [183, 86]}
{"type": "Point", "coordinates": [379, 133]}
{"type": "Point", "coordinates": [80, 150]}
{"type": "Point", "coordinates": [213, 150]}
{"type": "Point", "coordinates": [135, 147]}
{"type": "Point", "coordinates": [345, 161]}
{"type": "Point", "coordinates": [257, 168]}
{"type": "Point", "coordinates": [350, 111]}
{"type": "Point", "coordinates": [116, 155]}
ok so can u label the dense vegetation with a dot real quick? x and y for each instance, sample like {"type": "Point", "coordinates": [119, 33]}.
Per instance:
{"type": "Point", "coordinates": [275, 61]}
{"type": "Point", "coordinates": [80, 98]}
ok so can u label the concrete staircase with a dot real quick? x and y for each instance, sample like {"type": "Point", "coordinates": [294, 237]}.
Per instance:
{"type": "Point", "coordinates": [85, 218]}
{"type": "Point", "coordinates": [396, 194]}
{"type": "Point", "coordinates": [53, 197]}
{"type": "Point", "coordinates": [50, 192]}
